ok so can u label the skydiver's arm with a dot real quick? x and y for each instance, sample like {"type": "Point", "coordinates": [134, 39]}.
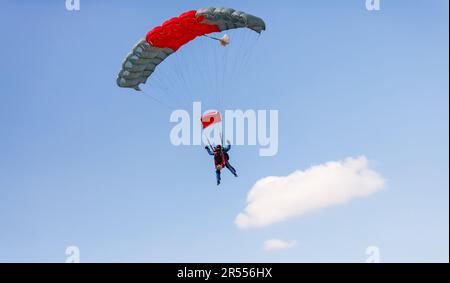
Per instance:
{"type": "Point", "coordinates": [209, 150]}
{"type": "Point", "coordinates": [227, 148]}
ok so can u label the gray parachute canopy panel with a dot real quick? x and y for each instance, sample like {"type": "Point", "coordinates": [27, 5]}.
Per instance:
{"type": "Point", "coordinates": [227, 18]}
{"type": "Point", "coordinates": [140, 64]}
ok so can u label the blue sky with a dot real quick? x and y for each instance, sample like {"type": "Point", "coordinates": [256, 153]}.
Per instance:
{"type": "Point", "coordinates": [85, 163]}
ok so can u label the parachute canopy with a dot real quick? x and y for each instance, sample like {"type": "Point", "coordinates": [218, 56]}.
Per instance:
{"type": "Point", "coordinates": [210, 118]}
{"type": "Point", "coordinates": [166, 39]}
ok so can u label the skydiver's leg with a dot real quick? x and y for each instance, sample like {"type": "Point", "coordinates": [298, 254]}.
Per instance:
{"type": "Point", "coordinates": [218, 176]}
{"type": "Point", "coordinates": [231, 168]}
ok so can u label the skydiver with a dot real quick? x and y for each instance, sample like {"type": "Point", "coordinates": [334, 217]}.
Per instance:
{"type": "Point", "coordinates": [221, 159]}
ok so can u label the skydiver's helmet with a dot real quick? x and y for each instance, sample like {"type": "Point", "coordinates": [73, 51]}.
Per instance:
{"type": "Point", "coordinates": [218, 148]}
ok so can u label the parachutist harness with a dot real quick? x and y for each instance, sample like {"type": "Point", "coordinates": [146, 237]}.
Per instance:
{"type": "Point", "coordinates": [219, 157]}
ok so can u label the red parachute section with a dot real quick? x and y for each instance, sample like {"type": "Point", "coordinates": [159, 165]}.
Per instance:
{"type": "Point", "coordinates": [178, 31]}
{"type": "Point", "coordinates": [210, 118]}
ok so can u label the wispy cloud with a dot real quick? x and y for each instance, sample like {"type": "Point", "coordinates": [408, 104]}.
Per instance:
{"type": "Point", "coordinates": [277, 244]}
{"type": "Point", "coordinates": [273, 199]}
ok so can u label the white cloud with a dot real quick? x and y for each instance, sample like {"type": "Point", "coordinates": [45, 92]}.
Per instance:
{"type": "Point", "coordinates": [273, 199]}
{"type": "Point", "coordinates": [276, 244]}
